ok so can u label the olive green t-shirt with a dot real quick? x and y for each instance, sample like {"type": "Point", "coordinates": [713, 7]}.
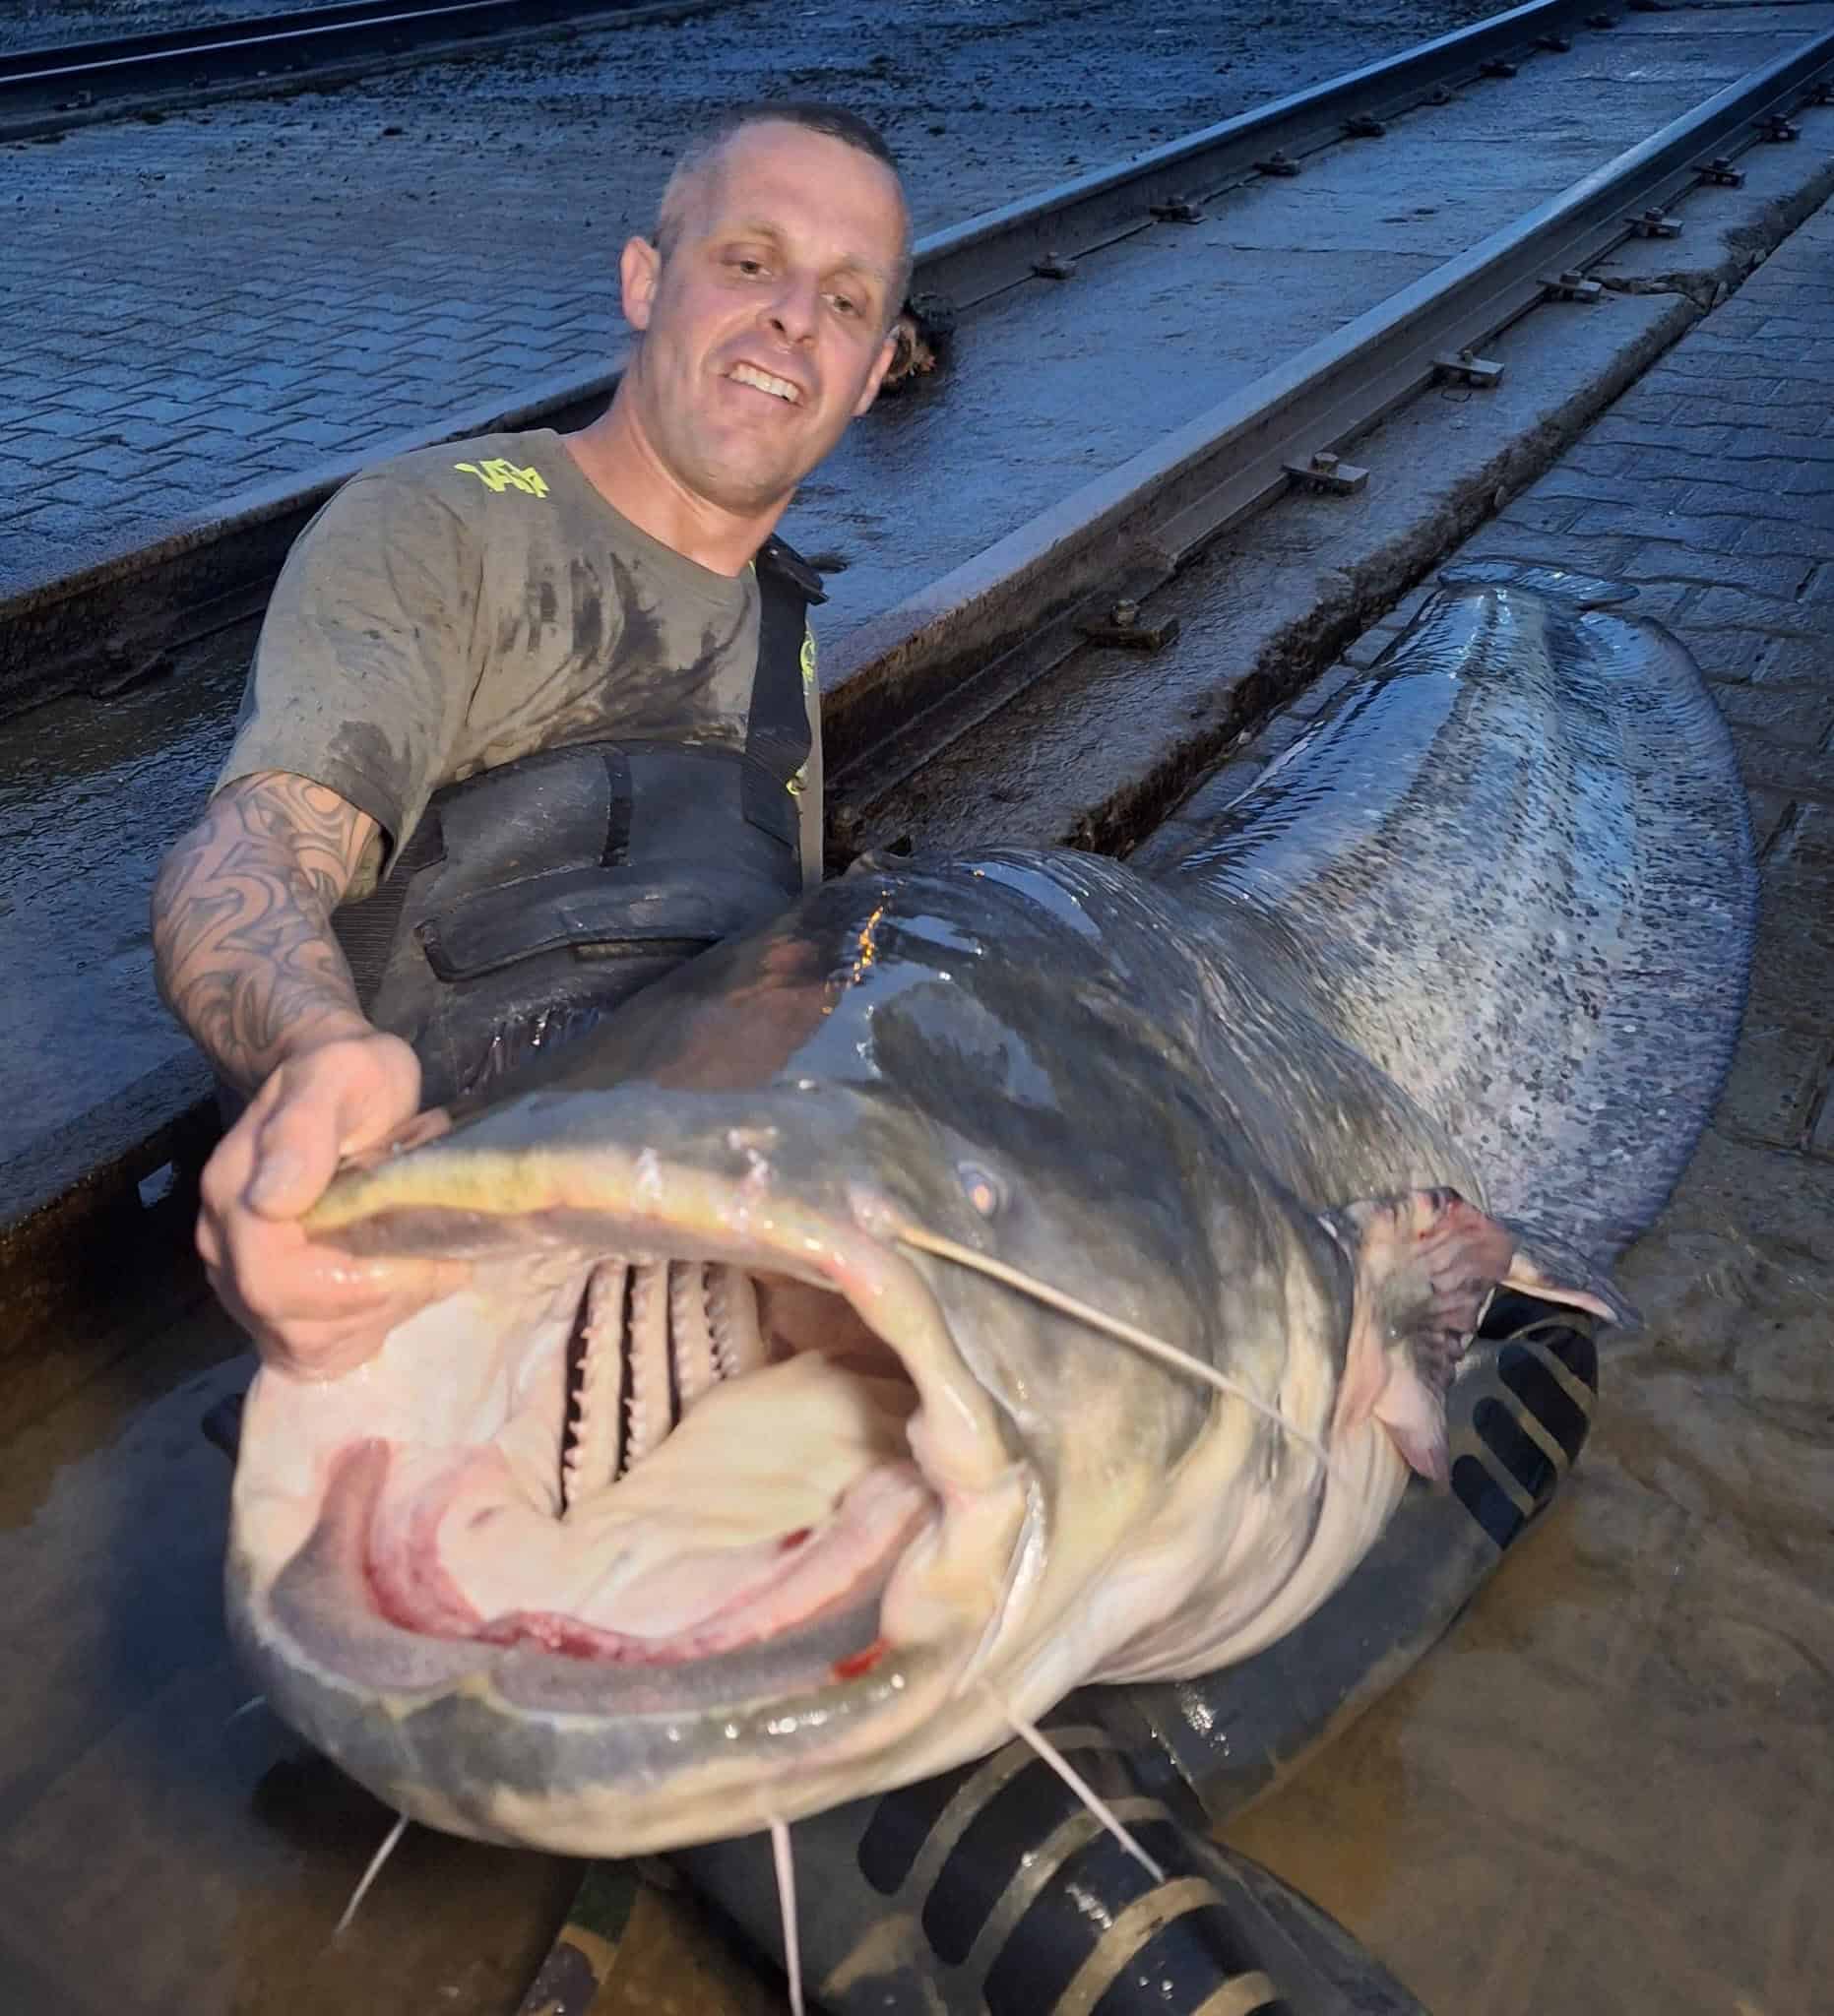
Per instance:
{"type": "Point", "coordinates": [466, 604]}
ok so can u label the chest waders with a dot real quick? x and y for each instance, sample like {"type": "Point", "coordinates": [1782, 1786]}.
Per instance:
{"type": "Point", "coordinates": [533, 899]}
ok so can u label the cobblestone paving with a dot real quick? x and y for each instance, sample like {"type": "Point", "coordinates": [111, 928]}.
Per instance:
{"type": "Point", "coordinates": [235, 295]}
{"type": "Point", "coordinates": [1710, 486]}
{"type": "Point", "coordinates": [1615, 1777]}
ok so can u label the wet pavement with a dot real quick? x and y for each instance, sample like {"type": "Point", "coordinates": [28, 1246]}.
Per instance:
{"type": "Point", "coordinates": [1609, 1789]}
{"type": "Point", "coordinates": [1034, 405]}
{"type": "Point", "coordinates": [266, 284]}
{"type": "Point", "coordinates": [91, 797]}
{"type": "Point", "coordinates": [1613, 1786]}
{"type": "Point", "coordinates": [153, 1855]}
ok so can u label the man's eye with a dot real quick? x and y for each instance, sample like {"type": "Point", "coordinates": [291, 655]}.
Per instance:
{"type": "Point", "coordinates": [845, 304]}
{"type": "Point", "coordinates": [750, 267]}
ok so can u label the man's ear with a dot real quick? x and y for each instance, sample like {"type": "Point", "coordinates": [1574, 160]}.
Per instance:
{"type": "Point", "coordinates": [876, 376]}
{"type": "Point", "coordinates": [640, 266]}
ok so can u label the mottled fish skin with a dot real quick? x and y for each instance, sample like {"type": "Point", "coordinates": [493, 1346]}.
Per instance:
{"type": "Point", "coordinates": [1515, 866]}
{"type": "Point", "coordinates": [1483, 931]}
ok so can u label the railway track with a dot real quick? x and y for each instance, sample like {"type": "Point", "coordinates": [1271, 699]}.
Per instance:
{"type": "Point", "coordinates": [1039, 629]}
{"type": "Point", "coordinates": [1388, 116]}
{"type": "Point", "coordinates": [51, 90]}
{"type": "Point", "coordinates": [1081, 578]}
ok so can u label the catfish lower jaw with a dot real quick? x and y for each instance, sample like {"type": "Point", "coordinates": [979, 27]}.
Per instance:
{"type": "Point", "coordinates": [528, 1747]}
{"type": "Point", "coordinates": [462, 1557]}
{"type": "Point", "coordinates": [521, 1733]}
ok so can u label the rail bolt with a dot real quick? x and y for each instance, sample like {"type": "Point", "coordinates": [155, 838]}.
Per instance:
{"type": "Point", "coordinates": [1324, 470]}
{"type": "Point", "coordinates": [1574, 286]}
{"type": "Point", "coordinates": [1468, 368]}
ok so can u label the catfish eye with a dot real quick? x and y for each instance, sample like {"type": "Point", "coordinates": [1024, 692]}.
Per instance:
{"type": "Point", "coordinates": [982, 1188]}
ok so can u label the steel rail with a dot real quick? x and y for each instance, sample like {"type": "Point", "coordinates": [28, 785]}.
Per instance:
{"type": "Point", "coordinates": [1042, 236]}
{"type": "Point", "coordinates": [50, 89]}
{"type": "Point", "coordinates": [201, 38]}
{"type": "Point", "coordinates": [922, 675]}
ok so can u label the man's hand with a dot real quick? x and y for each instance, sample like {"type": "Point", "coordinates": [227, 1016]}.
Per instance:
{"type": "Point", "coordinates": [246, 958]}
{"type": "Point", "coordinates": [311, 1311]}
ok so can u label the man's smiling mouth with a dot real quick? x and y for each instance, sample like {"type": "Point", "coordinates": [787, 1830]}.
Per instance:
{"type": "Point", "coordinates": [763, 381]}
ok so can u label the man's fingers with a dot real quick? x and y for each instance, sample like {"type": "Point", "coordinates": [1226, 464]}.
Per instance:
{"type": "Point", "coordinates": [412, 1133]}
{"type": "Point", "coordinates": [321, 1106]}
{"type": "Point", "coordinates": [296, 1157]}
{"type": "Point", "coordinates": [286, 1277]}
{"type": "Point", "coordinates": [377, 1094]}
{"type": "Point", "coordinates": [422, 1128]}
{"type": "Point", "coordinates": [341, 1321]}
{"type": "Point", "coordinates": [309, 1307]}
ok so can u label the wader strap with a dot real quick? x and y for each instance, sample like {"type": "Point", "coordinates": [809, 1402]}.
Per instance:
{"type": "Point", "coordinates": [777, 734]}
{"type": "Point", "coordinates": [367, 930]}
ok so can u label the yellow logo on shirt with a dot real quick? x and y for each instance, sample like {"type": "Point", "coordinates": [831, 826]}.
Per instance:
{"type": "Point", "coordinates": [498, 475]}
{"type": "Point", "coordinates": [809, 660]}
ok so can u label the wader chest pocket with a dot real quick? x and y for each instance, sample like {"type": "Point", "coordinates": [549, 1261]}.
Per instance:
{"type": "Point", "coordinates": [595, 913]}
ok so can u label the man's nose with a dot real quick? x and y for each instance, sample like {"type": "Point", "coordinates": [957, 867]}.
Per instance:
{"type": "Point", "coordinates": [793, 310]}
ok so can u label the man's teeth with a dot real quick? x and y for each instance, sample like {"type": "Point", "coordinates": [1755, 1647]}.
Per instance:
{"type": "Point", "coordinates": [780, 388]}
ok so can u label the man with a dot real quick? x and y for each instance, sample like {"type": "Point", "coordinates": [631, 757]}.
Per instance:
{"type": "Point", "coordinates": [528, 657]}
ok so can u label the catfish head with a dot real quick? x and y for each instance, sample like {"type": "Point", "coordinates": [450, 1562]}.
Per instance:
{"type": "Point", "coordinates": [873, 1332]}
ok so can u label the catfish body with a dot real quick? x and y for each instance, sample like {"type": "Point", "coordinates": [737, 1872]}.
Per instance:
{"type": "Point", "coordinates": [1007, 1272]}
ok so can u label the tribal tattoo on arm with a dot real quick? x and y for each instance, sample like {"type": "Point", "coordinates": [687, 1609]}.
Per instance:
{"type": "Point", "coordinates": [243, 950]}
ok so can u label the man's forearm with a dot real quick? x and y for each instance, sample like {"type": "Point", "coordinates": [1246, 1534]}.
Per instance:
{"type": "Point", "coordinates": [243, 949]}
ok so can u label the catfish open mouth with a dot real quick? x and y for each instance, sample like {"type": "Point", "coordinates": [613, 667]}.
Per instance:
{"type": "Point", "coordinates": [678, 1421]}
{"type": "Point", "coordinates": [703, 1458]}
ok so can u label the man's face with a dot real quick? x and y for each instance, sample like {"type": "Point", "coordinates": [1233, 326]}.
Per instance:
{"type": "Point", "coordinates": [765, 328]}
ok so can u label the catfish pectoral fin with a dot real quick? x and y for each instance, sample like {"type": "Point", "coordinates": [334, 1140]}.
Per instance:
{"type": "Point", "coordinates": [1427, 1263]}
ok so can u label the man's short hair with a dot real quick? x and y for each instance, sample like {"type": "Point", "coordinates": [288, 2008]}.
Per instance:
{"type": "Point", "coordinates": [813, 116]}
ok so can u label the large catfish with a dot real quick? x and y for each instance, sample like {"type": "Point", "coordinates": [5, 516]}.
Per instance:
{"type": "Point", "coordinates": [813, 1411]}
